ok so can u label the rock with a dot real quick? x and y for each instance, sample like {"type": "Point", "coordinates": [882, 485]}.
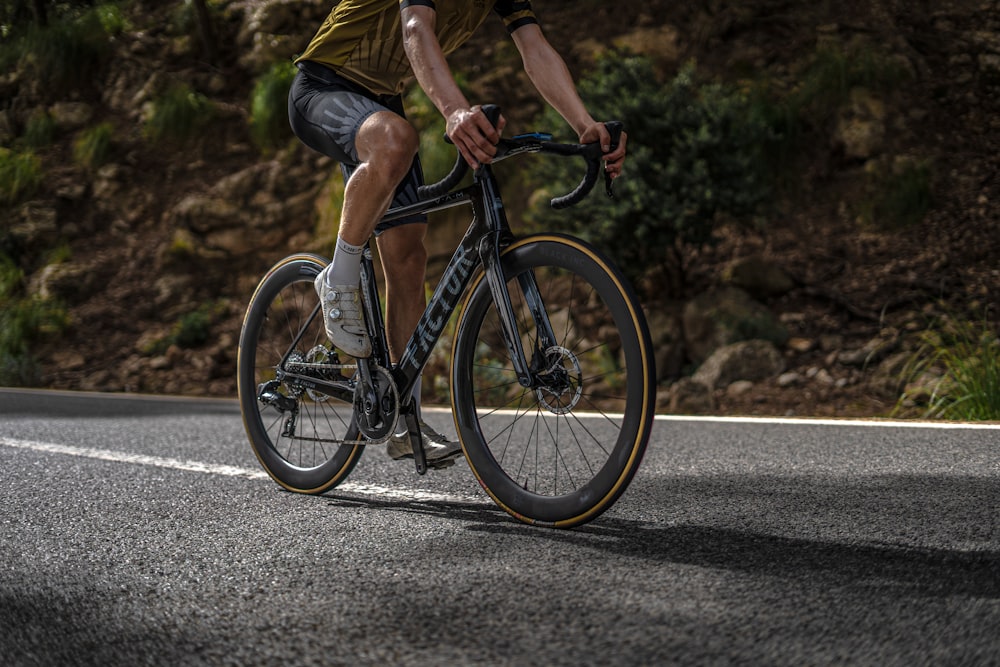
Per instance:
{"type": "Point", "coordinates": [758, 276]}
{"type": "Point", "coordinates": [831, 342]}
{"type": "Point", "coordinates": [69, 116]}
{"type": "Point", "coordinates": [739, 388]}
{"type": "Point", "coordinates": [68, 360]}
{"type": "Point", "coordinates": [667, 334]}
{"type": "Point", "coordinates": [823, 377]}
{"type": "Point", "coordinates": [724, 316]}
{"type": "Point", "coordinates": [751, 360]}
{"type": "Point", "coordinates": [690, 397]}
{"type": "Point", "coordinates": [861, 126]}
{"type": "Point", "coordinates": [990, 62]}
{"type": "Point", "coordinates": [801, 345]}
{"type": "Point", "coordinates": [272, 30]}
{"type": "Point", "coordinates": [789, 380]}
{"type": "Point", "coordinates": [872, 352]}
{"type": "Point", "coordinates": [661, 44]}
{"type": "Point", "coordinates": [58, 281]}
{"type": "Point", "coordinates": [108, 183]}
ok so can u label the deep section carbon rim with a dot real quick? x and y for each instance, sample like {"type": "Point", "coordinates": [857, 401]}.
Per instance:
{"type": "Point", "coordinates": [303, 438]}
{"type": "Point", "coordinates": [561, 451]}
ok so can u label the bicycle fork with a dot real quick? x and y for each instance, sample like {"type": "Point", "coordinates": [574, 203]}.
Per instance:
{"type": "Point", "coordinates": [545, 337]}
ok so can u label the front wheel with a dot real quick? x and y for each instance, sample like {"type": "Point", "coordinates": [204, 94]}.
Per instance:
{"type": "Point", "coordinates": [306, 440]}
{"type": "Point", "coordinates": [560, 451]}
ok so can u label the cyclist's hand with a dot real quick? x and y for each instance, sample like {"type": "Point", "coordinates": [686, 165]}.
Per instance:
{"type": "Point", "coordinates": [613, 160]}
{"type": "Point", "coordinates": [474, 136]}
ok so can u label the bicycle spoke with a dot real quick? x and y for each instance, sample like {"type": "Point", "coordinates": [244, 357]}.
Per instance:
{"type": "Point", "coordinates": [298, 434]}
{"type": "Point", "coordinates": [563, 438]}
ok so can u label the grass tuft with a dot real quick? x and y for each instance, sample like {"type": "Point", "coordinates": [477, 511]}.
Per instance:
{"type": "Point", "coordinates": [20, 176]}
{"type": "Point", "coordinates": [964, 361]}
{"type": "Point", "coordinates": [179, 115]}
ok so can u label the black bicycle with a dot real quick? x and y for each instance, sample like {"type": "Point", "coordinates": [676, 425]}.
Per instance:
{"type": "Point", "coordinates": [552, 373]}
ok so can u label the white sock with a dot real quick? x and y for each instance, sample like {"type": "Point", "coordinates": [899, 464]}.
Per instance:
{"type": "Point", "coordinates": [346, 266]}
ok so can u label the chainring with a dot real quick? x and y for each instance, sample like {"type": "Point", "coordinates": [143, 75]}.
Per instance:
{"type": "Point", "coordinates": [387, 408]}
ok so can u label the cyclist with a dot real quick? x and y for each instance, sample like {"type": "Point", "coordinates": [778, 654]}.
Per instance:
{"type": "Point", "coordinates": [345, 102]}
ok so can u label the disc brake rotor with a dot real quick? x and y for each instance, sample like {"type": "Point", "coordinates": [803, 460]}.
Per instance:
{"type": "Point", "coordinates": [562, 381]}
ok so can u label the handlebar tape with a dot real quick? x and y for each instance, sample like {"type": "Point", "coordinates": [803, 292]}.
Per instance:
{"type": "Point", "coordinates": [461, 168]}
{"type": "Point", "coordinates": [593, 168]}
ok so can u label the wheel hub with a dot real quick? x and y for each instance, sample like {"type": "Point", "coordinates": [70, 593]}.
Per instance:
{"type": "Point", "coordinates": [560, 381]}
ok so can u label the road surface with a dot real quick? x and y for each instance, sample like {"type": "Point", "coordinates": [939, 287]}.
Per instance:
{"type": "Point", "coordinates": [140, 530]}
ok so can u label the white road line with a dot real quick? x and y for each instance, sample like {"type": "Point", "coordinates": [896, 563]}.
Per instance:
{"type": "Point", "coordinates": [370, 490]}
{"type": "Point", "coordinates": [805, 421]}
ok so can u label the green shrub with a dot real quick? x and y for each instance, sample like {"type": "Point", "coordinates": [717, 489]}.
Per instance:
{"type": "Point", "coordinates": [899, 195]}
{"type": "Point", "coordinates": [22, 321]}
{"type": "Point", "coordinates": [269, 107]}
{"type": "Point", "coordinates": [40, 130]}
{"type": "Point", "coordinates": [184, 18]}
{"type": "Point", "coordinates": [20, 175]}
{"type": "Point", "coordinates": [93, 147]}
{"type": "Point", "coordinates": [822, 87]}
{"type": "Point", "coordinates": [111, 18]}
{"type": "Point", "coordinates": [695, 151]}
{"type": "Point", "coordinates": [832, 73]}
{"type": "Point", "coordinates": [192, 330]}
{"type": "Point", "coordinates": [179, 115]}
{"type": "Point", "coordinates": [68, 51]}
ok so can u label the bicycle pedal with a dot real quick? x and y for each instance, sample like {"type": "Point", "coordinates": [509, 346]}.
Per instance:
{"type": "Point", "coordinates": [441, 464]}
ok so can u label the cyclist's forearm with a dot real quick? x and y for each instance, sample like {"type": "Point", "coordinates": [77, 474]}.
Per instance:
{"type": "Point", "coordinates": [550, 75]}
{"type": "Point", "coordinates": [470, 130]}
{"type": "Point", "coordinates": [428, 61]}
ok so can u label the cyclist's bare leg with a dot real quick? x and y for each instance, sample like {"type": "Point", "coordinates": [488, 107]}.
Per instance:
{"type": "Point", "coordinates": [404, 260]}
{"type": "Point", "coordinates": [386, 144]}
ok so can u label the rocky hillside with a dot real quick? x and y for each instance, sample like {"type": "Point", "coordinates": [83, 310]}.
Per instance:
{"type": "Point", "coordinates": [167, 236]}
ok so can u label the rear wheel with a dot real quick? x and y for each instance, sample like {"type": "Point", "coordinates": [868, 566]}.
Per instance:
{"type": "Point", "coordinates": [562, 450]}
{"type": "Point", "coordinates": [304, 439]}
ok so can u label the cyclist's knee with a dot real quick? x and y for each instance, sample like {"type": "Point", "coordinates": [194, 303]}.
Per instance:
{"type": "Point", "coordinates": [389, 141]}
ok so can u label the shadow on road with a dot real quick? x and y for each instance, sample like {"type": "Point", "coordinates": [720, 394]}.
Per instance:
{"type": "Point", "coordinates": [859, 558]}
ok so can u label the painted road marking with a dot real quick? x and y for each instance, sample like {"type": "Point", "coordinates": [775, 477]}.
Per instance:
{"type": "Point", "coordinates": [370, 490]}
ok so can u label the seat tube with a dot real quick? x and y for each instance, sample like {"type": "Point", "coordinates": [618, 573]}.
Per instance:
{"type": "Point", "coordinates": [373, 307]}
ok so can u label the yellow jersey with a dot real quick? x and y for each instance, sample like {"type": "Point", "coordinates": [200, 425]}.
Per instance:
{"type": "Point", "coordinates": [362, 40]}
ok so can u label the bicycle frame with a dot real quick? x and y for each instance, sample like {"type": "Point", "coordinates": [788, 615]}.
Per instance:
{"type": "Point", "coordinates": [481, 246]}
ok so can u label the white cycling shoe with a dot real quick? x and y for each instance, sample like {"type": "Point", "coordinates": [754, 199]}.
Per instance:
{"type": "Point", "coordinates": [342, 317]}
{"type": "Point", "coordinates": [438, 450]}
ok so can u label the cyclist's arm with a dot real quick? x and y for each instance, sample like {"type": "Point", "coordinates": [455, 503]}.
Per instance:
{"type": "Point", "coordinates": [548, 71]}
{"type": "Point", "coordinates": [469, 129]}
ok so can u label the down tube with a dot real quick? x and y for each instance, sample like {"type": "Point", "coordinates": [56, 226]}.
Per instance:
{"type": "Point", "coordinates": [442, 304]}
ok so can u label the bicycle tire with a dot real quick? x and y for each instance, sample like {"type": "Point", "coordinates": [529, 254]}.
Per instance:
{"type": "Point", "coordinates": [324, 445]}
{"type": "Point", "coordinates": [514, 437]}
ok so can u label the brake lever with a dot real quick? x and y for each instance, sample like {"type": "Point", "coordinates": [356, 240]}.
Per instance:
{"type": "Point", "coordinates": [615, 128]}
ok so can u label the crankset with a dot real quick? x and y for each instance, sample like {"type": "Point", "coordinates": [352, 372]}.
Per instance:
{"type": "Point", "coordinates": [376, 403]}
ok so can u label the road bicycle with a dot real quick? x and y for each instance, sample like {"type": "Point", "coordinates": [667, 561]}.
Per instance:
{"type": "Point", "coordinates": [552, 374]}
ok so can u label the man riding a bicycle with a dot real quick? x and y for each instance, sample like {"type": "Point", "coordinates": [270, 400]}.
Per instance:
{"type": "Point", "coordinates": [345, 102]}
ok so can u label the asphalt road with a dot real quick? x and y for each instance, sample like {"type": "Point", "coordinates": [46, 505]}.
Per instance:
{"type": "Point", "coordinates": [142, 531]}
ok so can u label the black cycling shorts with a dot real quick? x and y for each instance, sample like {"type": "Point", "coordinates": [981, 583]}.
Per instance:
{"type": "Point", "coordinates": [326, 111]}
